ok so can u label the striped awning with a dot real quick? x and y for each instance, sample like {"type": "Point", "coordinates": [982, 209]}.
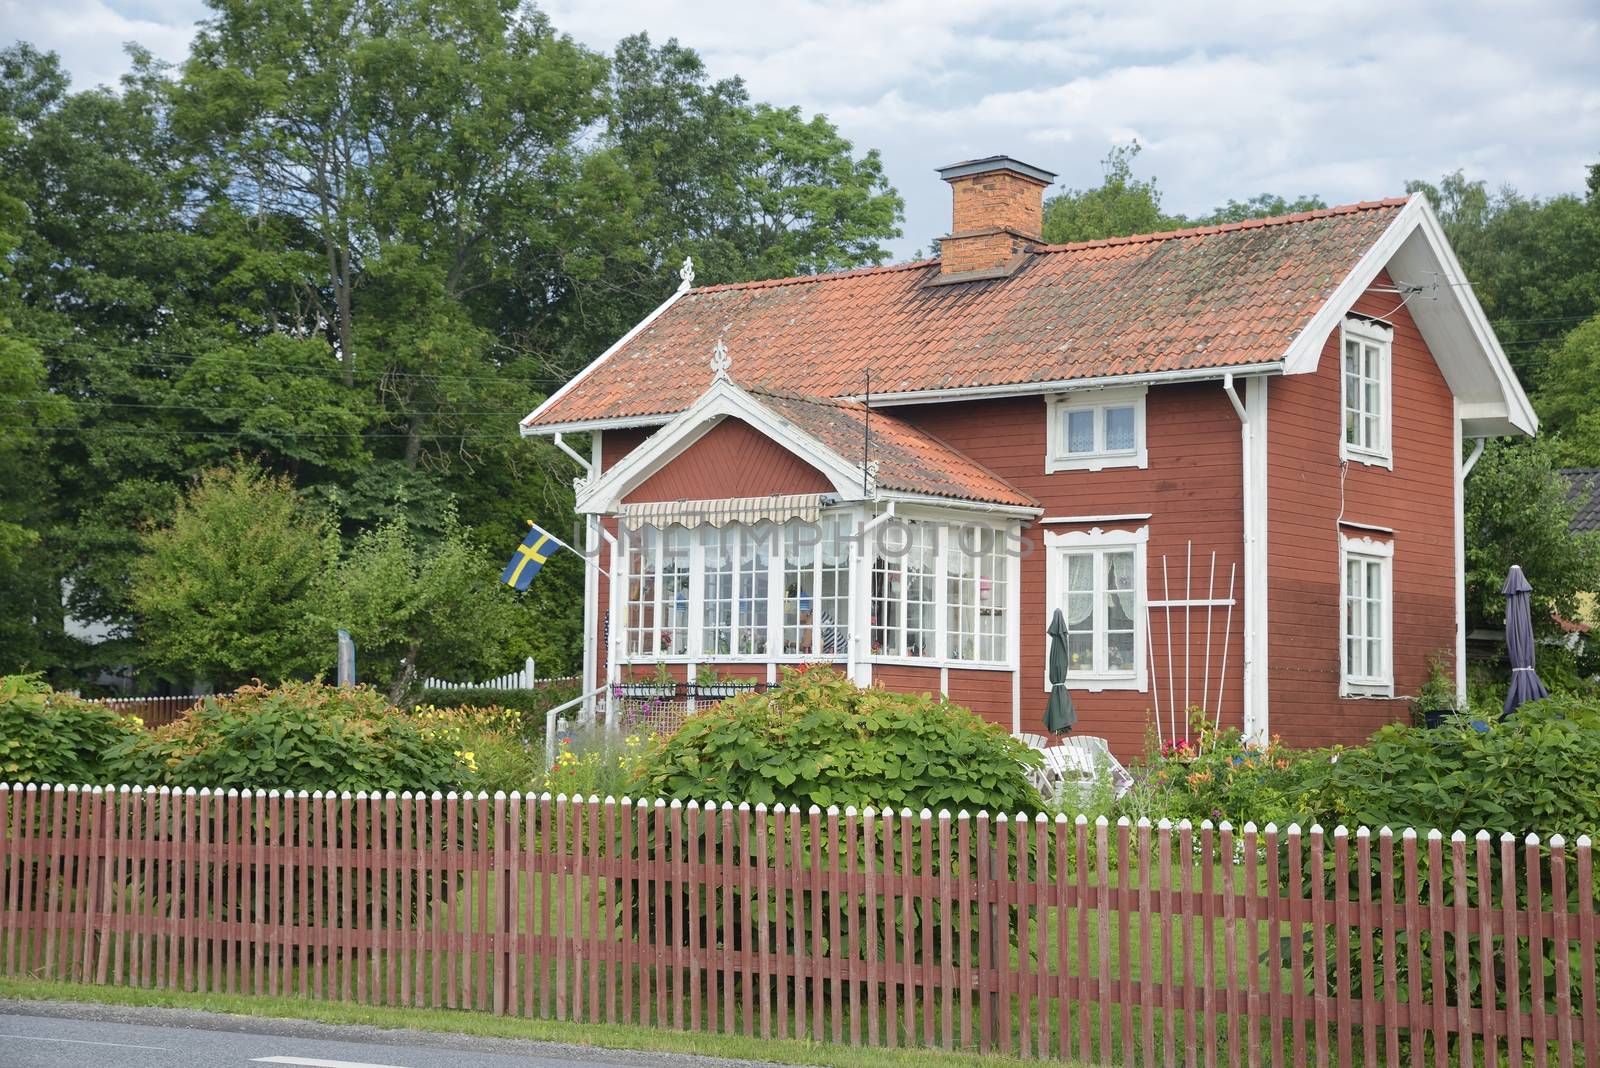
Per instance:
{"type": "Point", "coordinates": [777, 508]}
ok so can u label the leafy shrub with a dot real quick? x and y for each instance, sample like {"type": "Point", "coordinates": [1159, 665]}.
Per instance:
{"type": "Point", "coordinates": [489, 740]}
{"type": "Point", "coordinates": [53, 737]}
{"type": "Point", "coordinates": [300, 736]}
{"type": "Point", "coordinates": [1537, 772]}
{"type": "Point", "coordinates": [1218, 775]}
{"type": "Point", "coordinates": [599, 763]}
{"type": "Point", "coordinates": [821, 740]}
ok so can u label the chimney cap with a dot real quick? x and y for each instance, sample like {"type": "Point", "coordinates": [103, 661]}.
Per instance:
{"type": "Point", "coordinates": [970, 167]}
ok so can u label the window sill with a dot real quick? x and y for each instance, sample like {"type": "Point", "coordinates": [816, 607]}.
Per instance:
{"type": "Point", "coordinates": [1097, 462]}
{"type": "Point", "coordinates": [1383, 691]}
{"type": "Point", "coordinates": [1367, 457]}
{"type": "Point", "coordinates": [1097, 683]}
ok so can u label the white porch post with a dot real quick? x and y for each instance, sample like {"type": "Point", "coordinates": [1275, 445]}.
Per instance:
{"type": "Point", "coordinates": [1257, 652]}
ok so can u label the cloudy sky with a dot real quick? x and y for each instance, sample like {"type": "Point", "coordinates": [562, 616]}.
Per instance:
{"type": "Point", "coordinates": [1228, 100]}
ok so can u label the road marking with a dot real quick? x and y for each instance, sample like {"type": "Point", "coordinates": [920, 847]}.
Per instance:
{"type": "Point", "coordinates": [309, 1062]}
{"type": "Point", "coordinates": [86, 1042]}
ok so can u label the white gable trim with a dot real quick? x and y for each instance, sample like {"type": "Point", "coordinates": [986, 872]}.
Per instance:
{"type": "Point", "coordinates": [723, 400]}
{"type": "Point", "coordinates": [1511, 412]}
{"type": "Point", "coordinates": [687, 276]}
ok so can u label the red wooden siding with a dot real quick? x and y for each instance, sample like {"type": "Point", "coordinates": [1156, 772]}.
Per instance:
{"type": "Point", "coordinates": [1416, 500]}
{"type": "Point", "coordinates": [1191, 489]}
{"type": "Point", "coordinates": [733, 459]}
{"type": "Point", "coordinates": [988, 693]}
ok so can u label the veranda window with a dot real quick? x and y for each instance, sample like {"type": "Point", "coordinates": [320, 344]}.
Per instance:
{"type": "Point", "coordinates": [784, 592]}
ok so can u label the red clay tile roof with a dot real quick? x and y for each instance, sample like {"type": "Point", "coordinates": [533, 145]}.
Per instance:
{"type": "Point", "coordinates": [1215, 297]}
{"type": "Point", "coordinates": [909, 460]}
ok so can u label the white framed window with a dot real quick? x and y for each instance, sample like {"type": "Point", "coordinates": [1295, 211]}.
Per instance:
{"type": "Point", "coordinates": [816, 590]}
{"type": "Point", "coordinates": [1097, 579]}
{"type": "Point", "coordinates": [1366, 348]}
{"type": "Point", "coordinates": [1366, 617]}
{"type": "Point", "coordinates": [1096, 429]}
{"type": "Point", "coordinates": [905, 591]}
{"type": "Point", "coordinates": [977, 577]}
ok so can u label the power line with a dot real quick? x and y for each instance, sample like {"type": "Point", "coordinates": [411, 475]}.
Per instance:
{"type": "Point", "coordinates": [333, 370]}
{"type": "Point", "coordinates": [89, 402]}
{"type": "Point", "coordinates": [125, 431]}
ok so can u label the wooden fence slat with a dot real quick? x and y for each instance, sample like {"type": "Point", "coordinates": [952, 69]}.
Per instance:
{"type": "Point", "coordinates": [1586, 952]}
{"type": "Point", "coordinates": [1413, 920]}
{"type": "Point", "coordinates": [1532, 869]}
{"type": "Point", "coordinates": [1561, 943]}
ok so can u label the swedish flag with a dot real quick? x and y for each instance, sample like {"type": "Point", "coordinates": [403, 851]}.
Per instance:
{"type": "Point", "coordinates": [530, 556]}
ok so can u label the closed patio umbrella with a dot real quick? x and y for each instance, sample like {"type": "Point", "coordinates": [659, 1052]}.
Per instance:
{"type": "Point", "coordinates": [1059, 715]}
{"type": "Point", "coordinates": [1525, 684]}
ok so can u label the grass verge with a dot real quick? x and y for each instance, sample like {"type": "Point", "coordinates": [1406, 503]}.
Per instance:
{"type": "Point", "coordinates": [604, 1036]}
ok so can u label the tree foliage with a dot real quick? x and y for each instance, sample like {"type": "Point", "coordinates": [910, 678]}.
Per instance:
{"type": "Point", "coordinates": [1517, 512]}
{"type": "Point", "coordinates": [417, 609]}
{"type": "Point", "coordinates": [229, 590]}
{"type": "Point", "coordinates": [353, 242]}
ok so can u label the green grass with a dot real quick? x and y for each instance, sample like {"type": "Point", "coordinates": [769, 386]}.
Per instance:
{"type": "Point", "coordinates": [605, 1036]}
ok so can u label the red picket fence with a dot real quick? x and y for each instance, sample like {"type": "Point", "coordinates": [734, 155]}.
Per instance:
{"type": "Point", "coordinates": [1124, 944]}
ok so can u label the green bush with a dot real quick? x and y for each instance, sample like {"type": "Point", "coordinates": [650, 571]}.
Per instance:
{"type": "Point", "coordinates": [821, 740]}
{"type": "Point", "coordinates": [53, 737]}
{"type": "Point", "coordinates": [1537, 772]}
{"type": "Point", "coordinates": [1217, 775]}
{"type": "Point", "coordinates": [300, 736]}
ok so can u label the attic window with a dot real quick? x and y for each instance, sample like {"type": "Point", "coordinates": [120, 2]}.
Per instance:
{"type": "Point", "coordinates": [1096, 429]}
{"type": "Point", "coordinates": [1366, 347]}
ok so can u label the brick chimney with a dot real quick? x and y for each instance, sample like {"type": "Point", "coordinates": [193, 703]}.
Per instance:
{"type": "Point", "coordinates": [998, 210]}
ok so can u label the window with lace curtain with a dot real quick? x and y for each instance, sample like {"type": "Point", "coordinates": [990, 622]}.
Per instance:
{"type": "Point", "coordinates": [1096, 579]}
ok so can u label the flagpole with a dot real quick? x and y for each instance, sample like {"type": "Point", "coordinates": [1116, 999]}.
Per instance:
{"type": "Point", "coordinates": [582, 556]}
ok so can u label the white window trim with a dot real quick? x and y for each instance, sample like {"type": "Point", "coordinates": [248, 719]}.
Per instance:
{"type": "Point", "coordinates": [1381, 550]}
{"type": "Point", "coordinates": [1057, 546]}
{"type": "Point", "coordinates": [1056, 457]}
{"type": "Point", "coordinates": [1371, 332]}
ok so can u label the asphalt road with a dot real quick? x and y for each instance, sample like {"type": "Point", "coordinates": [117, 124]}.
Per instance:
{"type": "Point", "coordinates": [71, 1035]}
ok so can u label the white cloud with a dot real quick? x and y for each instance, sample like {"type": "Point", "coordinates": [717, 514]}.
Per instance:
{"type": "Point", "coordinates": [1347, 101]}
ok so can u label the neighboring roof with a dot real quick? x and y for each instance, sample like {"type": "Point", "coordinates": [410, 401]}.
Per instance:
{"type": "Point", "coordinates": [909, 460]}
{"type": "Point", "coordinates": [1585, 493]}
{"type": "Point", "coordinates": [1216, 297]}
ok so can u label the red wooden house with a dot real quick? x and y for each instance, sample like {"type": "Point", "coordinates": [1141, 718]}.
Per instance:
{"type": "Point", "coordinates": [1231, 456]}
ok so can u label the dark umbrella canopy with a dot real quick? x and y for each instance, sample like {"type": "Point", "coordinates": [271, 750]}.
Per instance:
{"type": "Point", "coordinates": [1525, 684]}
{"type": "Point", "coordinates": [1059, 715]}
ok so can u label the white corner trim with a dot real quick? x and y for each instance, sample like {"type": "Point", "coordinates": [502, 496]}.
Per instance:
{"type": "Point", "coordinates": [1459, 536]}
{"type": "Point", "coordinates": [1056, 457]}
{"type": "Point", "coordinates": [687, 278]}
{"type": "Point", "coordinates": [1256, 713]}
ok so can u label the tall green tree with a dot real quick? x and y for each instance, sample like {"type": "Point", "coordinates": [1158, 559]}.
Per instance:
{"type": "Point", "coordinates": [228, 591]}
{"type": "Point", "coordinates": [1568, 397]}
{"type": "Point", "coordinates": [1517, 512]}
{"type": "Point", "coordinates": [416, 610]}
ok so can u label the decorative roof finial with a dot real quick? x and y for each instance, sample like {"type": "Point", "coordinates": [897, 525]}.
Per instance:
{"type": "Point", "coordinates": [686, 272]}
{"type": "Point", "coordinates": [720, 362]}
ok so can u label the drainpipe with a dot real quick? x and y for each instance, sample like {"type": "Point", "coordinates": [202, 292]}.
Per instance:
{"type": "Point", "coordinates": [861, 607]}
{"type": "Point", "coordinates": [1252, 728]}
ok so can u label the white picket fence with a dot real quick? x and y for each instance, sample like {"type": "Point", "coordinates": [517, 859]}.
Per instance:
{"type": "Point", "coordinates": [525, 679]}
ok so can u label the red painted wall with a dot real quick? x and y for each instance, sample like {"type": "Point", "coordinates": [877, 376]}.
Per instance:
{"type": "Point", "coordinates": [1192, 490]}
{"type": "Point", "coordinates": [1416, 500]}
{"type": "Point", "coordinates": [732, 459]}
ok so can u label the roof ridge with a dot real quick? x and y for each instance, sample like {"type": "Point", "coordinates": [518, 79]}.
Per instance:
{"type": "Point", "coordinates": [825, 276]}
{"type": "Point", "coordinates": [1225, 228]}
{"type": "Point", "coordinates": [1074, 246]}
